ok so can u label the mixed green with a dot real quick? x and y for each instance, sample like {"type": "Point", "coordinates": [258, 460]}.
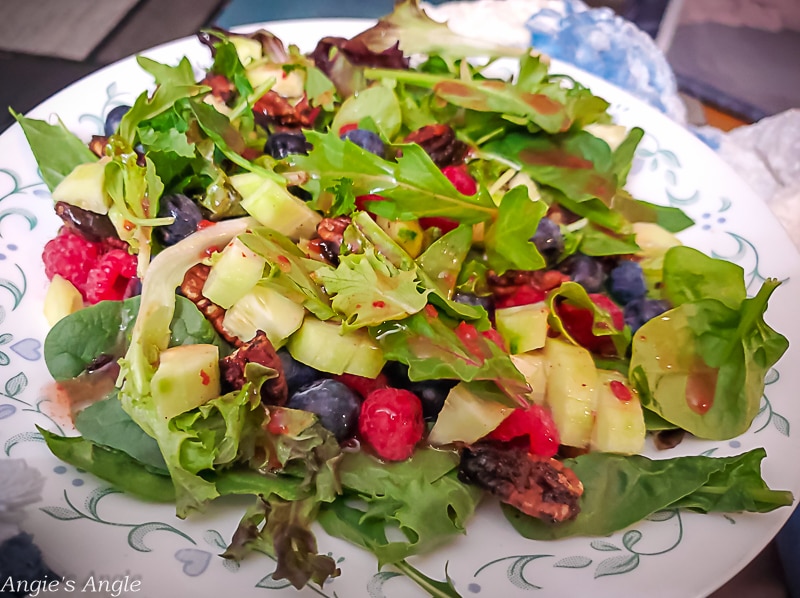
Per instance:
{"type": "Point", "coordinates": [372, 230]}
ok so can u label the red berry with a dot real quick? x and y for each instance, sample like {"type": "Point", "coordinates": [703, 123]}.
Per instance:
{"type": "Point", "coordinates": [70, 256]}
{"type": "Point", "coordinates": [110, 276]}
{"type": "Point", "coordinates": [362, 385]}
{"type": "Point", "coordinates": [461, 179]}
{"type": "Point", "coordinates": [536, 423]}
{"type": "Point", "coordinates": [578, 322]}
{"type": "Point", "coordinates": [391, 423]}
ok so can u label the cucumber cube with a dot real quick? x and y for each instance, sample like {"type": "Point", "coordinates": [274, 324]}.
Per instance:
{"type": "Point", "coordinates": [572, 385]}
{"type": "Point", "coordinates": [264, 308]}
{"type": "Point", "coordinates": [322, 346]}
{"type": "Point", "coordinates": [187, 377]}
{"type": "Point", "coordinates": [466, 417]}
{"type": "Point", "coordinates": [83, 187]}
{"type": "Point", "coordinates": [273, 206]}
{"type": "Point", "coordinates": [62, 299]}
{"type": "Point", "coordinates": [235, 272]}
{"type": "Point", "coordinates": [523, 327]}
{"type": "Point", "coordinates": [619, 423]}
{"type": "Point", "coordinates": [534, 367]}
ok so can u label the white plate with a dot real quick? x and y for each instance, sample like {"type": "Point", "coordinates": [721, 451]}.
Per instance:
{"type": "Point", "coordinates": [89, 533]}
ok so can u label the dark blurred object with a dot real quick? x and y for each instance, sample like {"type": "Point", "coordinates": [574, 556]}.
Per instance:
{"type": "Point", "coordinates": [647, 14]}
{"type": "Point", "coordinates": [21, 563]}
{"type": "Point", "coordinates": [29, 80]}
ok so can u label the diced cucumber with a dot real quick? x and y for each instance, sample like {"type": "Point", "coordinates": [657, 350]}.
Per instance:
{"type": "Point", "coordinates": [287, 85]}
{"type": "Point", "coordinates": [247, 48]}
{"type": "Point", "coordinates": [571, 391]}
{"type": "Point", "coordinates": [408, 234]}
{"type": "Point", "coordinates": [321, 345]}
{"type": "Point", "coordinates": [234, 273]}
{"type": "Point", "coordinates": [619, 423]}
{"type": "Point", "coordinates": [187, 377]}
{"type": "Point", "coordinates": [273, 206]}
{"type": "Point", "coordinates": [466, 417]}
{"type": "Point", "coordinates": [534, 367]}
{"type": "Point", "coordinates": [612, 134]}
{"type": "Point", "coordinates": [264, 308]}
{"type": "Point", "coordinates": [83, 187]}
{"type": "Point", "coordinates": [62, 299]}
{"type": "Point", "coordinates": [523, 327]}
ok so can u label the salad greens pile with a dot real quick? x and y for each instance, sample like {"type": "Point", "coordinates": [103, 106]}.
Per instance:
{"type": "Point", "coordinates": [539, 144]}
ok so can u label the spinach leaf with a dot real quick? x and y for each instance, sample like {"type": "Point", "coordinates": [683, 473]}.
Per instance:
{"type": "Point", "coordinates": [112, 465]}
{"type": "Point", "coordinates": [623, 490]}
{"type": "Point", "coordinates": [105, 423]}
{"type": "Point", "coordinates": [104, 329]}
{"type": "Point", "coordinates": [56, 149]}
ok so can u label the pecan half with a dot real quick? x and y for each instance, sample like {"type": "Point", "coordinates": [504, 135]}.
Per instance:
{"type": "Point", "coordinates": [538, 486]}
{"type": "Point", "coordinates": [98, 145]}
{"type": "Point", "coordinates": [221, 86]}
{"type": "Point", "coordinates": [440, 143]}
{"type": "Point", "coordinates": [275, 111]}
{"type": "Point", "coordinates": [192, 289]}
{"type": "Point", "coordinates": [259, 350]}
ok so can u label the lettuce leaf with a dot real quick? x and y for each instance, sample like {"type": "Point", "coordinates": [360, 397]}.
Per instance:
{"type": "Point", "coordinates": [420, 497]}
{"type": "Point", "coordinates": [368, 290]}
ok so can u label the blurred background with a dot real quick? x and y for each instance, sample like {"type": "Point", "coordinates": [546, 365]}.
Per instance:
{"type": "Point", "coordinates": [736, 61]}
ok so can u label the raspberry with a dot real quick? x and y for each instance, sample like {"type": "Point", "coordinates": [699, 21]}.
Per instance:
{"type": "Point", "coordinates": [110, 276]}
{"type": "Point", "coordinates": [578, 323]}
{"type": "Point", "coordinates": [391, 423]}
{"type": "Point", "coordinates": [361, 385]}
{"type": "Point", "coordinates": [536, 423]}
{"type": "Point", "coordinates": [70, 256]}
{"type": "Point", "coordinates": [463, 183]}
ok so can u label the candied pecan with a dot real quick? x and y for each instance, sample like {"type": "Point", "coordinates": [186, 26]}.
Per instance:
{"type": "Point", "coordinates": [332, 229]}
{"type": "Point", "coordinates": [667, 439]}
{"type": "Point", "coordinates": [98, 145]}
{"type": "Point", "coordinates": [538, 486]}
{"type": "Point", "coordinates": [440, 143]}
{"type": "Point", "coordinates": [274, 391]}
{"type": "Point", "coordinates": [506, 284]}
{"type": "Point", "coordinates": [192, 289]}
{"type": "Point", "coordinates": [272, 110]}
{"type": "Point", "coordinates": [221, 86]}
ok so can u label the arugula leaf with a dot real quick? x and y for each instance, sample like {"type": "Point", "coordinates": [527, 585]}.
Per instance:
{"type": "Point", "coordinates": [412, 187]}
{"type": "Point", "coordinates": [577, 163]}
{"type": "Point", "coordinates": [623, 490]}
{"type": "Point", "coordinates": [433, 349]}
{"type": "Point", "coordinates": [596, 241]}
{"type": "Point", "coordinates": [669, 218]}
{"type": "Point", "coordinates": [227, 63]}
{"type": "Point", "coordinates": [56, 149]}
{"type": "Point", "coordinates": [164, 74]}
{"type": "Point", "coordinates": [368, 290]}
{"type": "Point", "coordinates": [146, 107]}
{"type": "Point", "coordinates": [508, 240]}
{"type": "Point", "coordinates": [344, 199]}
{"type": "Point", "coordinates": [421, 497]}
{"type": "Point", "coordinates": [443, 258]}
{"type": "Point", "coordinates": [488, 95]}
{"type": "Point", "coordinates": [114, 466]}
{"type": "Point", "coordinates": [623, 155]}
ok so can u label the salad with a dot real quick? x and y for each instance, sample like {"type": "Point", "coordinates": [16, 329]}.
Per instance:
{"type": "Point", "coordinates": [373, 286]}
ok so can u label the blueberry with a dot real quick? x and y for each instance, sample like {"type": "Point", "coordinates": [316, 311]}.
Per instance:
{"type": "Point", "coordinates": [474, 300]}
{"type": "Point", "coordinates": [586, 271]}
{"type": "Point", "coordinates": [280, 145]}
{"type": "Point", "coordinates": [113, 119]}
{"type": "Point", "coordinates": [335, 405]}
{"type": "Point", "coordinates": [366, 140]}
{"type": "Point", "coordinates": [548, 240]}
{"type": "Point", "coordinates": [297, 374]}
{"type": "Point", "coordinates": [641, 310]}
{"type": "Point", "coordinates": [626, 282]}
{"type": "Point", "coordinates": [187, 216]}
{"type": "Point", "coordinates": [431, 393]}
